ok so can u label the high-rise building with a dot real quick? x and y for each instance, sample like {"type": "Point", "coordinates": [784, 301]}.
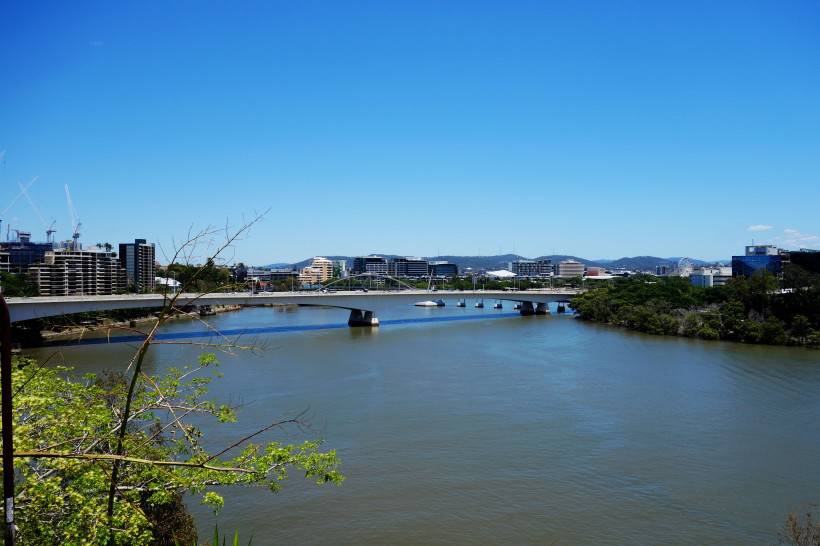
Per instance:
{"type": "Point", "coordinates": [137, 259]}
{"type": "Point", "coordinates": [4, 261]}
{"type": "Point", "coordinates": [531, 268]}
{"type": "Point", "coordinates": [570, 268]}
{"type": "Point", "coordinates": [320, 270]}
{"type": "Point", "coordinates": [67, 272]}
{"type": "Point", "coordinates": [323, 268]}
{"type": "Point", "coordinates": [370, 264]}
{"type": "Point", "coordinates": [22, 253]}
{"type": "Point", "coordinates": [409, 267]}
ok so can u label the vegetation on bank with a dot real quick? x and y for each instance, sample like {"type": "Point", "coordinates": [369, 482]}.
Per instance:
{"type": "Point", "coordinates": [65, 438]}
{"type": "Point", "coordinates": [760, 309]}
{"type": "Point", "coordinates": [801, 531]}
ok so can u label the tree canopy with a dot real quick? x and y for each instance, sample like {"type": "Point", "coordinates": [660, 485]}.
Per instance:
{"type": "Point", "coordinates": [65, 442]}
{"type": "Point", "coordinates": [758, 309]}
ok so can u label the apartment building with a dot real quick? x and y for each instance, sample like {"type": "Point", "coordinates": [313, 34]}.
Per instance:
{"type": "Point", "coordinates": [90, 272]}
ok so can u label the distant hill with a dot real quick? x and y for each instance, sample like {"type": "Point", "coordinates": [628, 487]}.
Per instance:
{"type": "Point", "coordinates": [501, 261]}
{"type": "Point", "coordinates": [638, 263]}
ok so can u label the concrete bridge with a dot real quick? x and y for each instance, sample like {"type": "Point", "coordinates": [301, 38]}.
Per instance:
{"type": "Point", "coordinates": [362, 305]}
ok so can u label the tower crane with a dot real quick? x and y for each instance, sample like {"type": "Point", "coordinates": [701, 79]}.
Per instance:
{"type": "Point", "coordinates": [75, 223]}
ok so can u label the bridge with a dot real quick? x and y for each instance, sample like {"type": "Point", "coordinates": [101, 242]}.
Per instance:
{"type": "Point", "coordinates": [363, 305]}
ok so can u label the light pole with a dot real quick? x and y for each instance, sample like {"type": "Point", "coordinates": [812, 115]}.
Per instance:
{"type": "Point", "coordinates": [7, 418]}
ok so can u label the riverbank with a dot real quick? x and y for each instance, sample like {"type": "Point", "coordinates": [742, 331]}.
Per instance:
{"type": "Point", "coordinates": [129, 324]}
{"type": "Point", "coordinates": [755, 311]}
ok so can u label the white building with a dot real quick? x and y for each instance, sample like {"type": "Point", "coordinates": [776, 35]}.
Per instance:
{"type": "Point", "coordinates": [570, 268]}
{"type": "Point", "coordinates": [320, 270]}
{"type": "Point", "coordinates": [707, 277]}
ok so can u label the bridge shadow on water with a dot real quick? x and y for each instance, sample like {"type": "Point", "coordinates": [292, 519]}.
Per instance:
{"type": "Point", "coordinates": [167, 336]}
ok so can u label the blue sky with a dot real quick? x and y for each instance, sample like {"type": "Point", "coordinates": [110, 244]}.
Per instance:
{"type": "Point", "coordinates": [600, 129]}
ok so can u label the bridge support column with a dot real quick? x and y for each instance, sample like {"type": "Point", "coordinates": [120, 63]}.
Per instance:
{"type": "Point", "coordinates": [359, 317]}
{"type": "Point", "coordinates": [562, 307]}
{"type": "Point", "coordinates": [542, 309]}
{"type": "Point", "coordinates": [526, 309]}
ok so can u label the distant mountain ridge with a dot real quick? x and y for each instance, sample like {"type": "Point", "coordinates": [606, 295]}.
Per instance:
{"type": "Point", "coordinates": [501, 261]}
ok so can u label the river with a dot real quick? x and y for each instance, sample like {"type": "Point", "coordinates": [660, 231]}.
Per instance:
{"type": "Point", "coordinates": [515, 430]}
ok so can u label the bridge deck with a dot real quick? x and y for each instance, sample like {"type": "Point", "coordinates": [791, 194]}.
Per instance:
{"type": "Point", "coordinates": [39, 307]}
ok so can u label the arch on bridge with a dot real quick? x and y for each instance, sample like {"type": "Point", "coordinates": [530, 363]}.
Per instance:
{"type": "Point", "coordinates": [367, 275]}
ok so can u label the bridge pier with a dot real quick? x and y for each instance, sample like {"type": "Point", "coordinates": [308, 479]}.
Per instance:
{"type": "Point", "coordinates": [359, 317]}
{"type": "Point", "coordinates": [526, 309]}
{"type": "Point", "coordinates": [542, 309]}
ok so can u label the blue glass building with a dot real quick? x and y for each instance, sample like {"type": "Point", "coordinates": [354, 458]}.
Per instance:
{"type": "Point", "coordinates": [746, 266]}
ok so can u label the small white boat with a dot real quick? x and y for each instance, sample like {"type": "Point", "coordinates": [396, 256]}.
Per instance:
{"type": "Point", "coordinates": [479, 304]}
{"type": "Point", "coordinates": [517, 306]}
{"type": "Point", "coordinates": [461, 303]}
{"type": "Point", "coordinates": [498, 305]}
{"type": "Point", "coordinates": [430, 303]}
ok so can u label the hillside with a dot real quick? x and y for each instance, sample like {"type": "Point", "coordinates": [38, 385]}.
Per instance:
{"type": "Point", "coordinates": [500, 261]}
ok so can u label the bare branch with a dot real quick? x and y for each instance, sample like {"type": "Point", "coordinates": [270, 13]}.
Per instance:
{"type": "Point", "coordinates": [123, 458]}
{"type": "Point", "coordinates": [258, 432]}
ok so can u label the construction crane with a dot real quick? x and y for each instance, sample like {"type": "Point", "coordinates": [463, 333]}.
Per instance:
{"type": "Point", "coordinates": [75, 223]}
{"type": "Point", "coordinates": [49, 228]}
{"type": "Point", "coordinates": [18, 196]}
{"type": "Point", "coordinates": [50, 232]}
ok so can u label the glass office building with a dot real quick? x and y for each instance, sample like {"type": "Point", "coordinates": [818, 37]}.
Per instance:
{"type": "Point", "coordinates": [409, 267]}
{"type": "Point", "coordinates": [444, 269]}
{"type": "Point", "coordinates": [746, 266]}
{"type": "Point", "coordinates": [370, 264]}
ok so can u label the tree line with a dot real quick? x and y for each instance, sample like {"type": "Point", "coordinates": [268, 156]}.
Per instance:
{"type": "Point", "coordinates": [759, 309]}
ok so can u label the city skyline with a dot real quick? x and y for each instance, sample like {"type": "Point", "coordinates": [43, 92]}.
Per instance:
{"type": "Point", "coordinates": [598, 131]}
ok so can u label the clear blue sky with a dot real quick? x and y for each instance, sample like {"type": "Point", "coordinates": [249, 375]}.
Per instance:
{"type": "Point", "coordinates": [600, 129]}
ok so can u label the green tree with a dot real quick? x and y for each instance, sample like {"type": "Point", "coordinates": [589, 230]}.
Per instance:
{"type": "Point", "coordinates": [751, 331]}
{"type": "Point", "coordinates": [801, 327]}
{"type": "Point", "coordinates": [773, 332]}
{"type": "Point", "coordinates": [65, 438]}
{"type": "Point", "coordinates": [732, 316]}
